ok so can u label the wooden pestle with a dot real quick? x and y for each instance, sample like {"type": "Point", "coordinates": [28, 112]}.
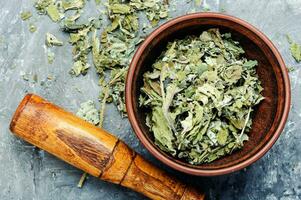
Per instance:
{"type": "Point", "coordinates": [93, 150]}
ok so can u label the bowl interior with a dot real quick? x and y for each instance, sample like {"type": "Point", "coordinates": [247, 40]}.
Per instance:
{"type": "Point", "coordinates": [267, 115]}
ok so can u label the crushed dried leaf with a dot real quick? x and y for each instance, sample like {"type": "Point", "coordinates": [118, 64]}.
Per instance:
{"type": "Point", "coordinates": [25, 15]}
{"type": "Point", "coordinates": [51, 40]}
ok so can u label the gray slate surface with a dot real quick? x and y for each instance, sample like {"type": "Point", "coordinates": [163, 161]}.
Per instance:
{"type": "Point", "coordinates": [28, 173]}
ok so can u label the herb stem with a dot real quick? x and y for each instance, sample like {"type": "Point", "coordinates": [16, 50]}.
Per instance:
{"type": "Point", "coordinates": [82, 180]}
{"type": "Point", "coordinates": [246, 122]}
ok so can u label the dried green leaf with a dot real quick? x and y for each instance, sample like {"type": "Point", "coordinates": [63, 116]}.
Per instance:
{"type": "Point", "coordinates": [73, 4]}
{"type": "Point", "coordinates": [41, 6]}
{"type": "Point", "coordinates": [69, 24]}
{"type": "Point", "coordinates": [163, 135]}
{"type": "Point", "coordinates": [296, 51]}
{"type": "Point", "coordinates": [88, 112]}
{"type": "Point", "coordinates": [295, 48]}
{"type": "Point", "coordinates": [79, 67]}
{"type": "Point", "coordinates": [25, 15]}
{"type": "Point", "coordinates": [32, 28]}
{"type": "Point", "coordinates": [51, 40]}
{"type": "Point", "coordinates": [120, 9]}
{"type": "Point", "coordinates": [53, 13]}
{"type": "Point", "coordinates": [222, 136]}
{"type": "Point", "coordinates": [250, 64]}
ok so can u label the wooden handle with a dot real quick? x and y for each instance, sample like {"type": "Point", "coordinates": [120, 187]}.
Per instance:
{"type": "Point", "coordinates": [93, 150]}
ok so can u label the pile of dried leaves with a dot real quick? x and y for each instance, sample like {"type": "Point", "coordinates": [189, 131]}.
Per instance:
{"type": "Point", "coordinates": [113, 49]}
{"type": "Point", "coordinates": [200, 95]}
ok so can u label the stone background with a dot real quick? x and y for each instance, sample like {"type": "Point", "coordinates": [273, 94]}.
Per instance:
{"type": "Point", "coordinates": [29, 173]}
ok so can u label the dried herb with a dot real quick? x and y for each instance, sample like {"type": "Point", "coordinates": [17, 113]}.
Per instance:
{"type": "Point", "coordinates": [295, 49]}
{"type": "Point", "coordinates": [118, 42]}
{"type": "Point", "coordinates": [88, 112]}
{"type": "Point", "coordinates": [82, 180]}
{"type": "Point", "coordinates": [200, 96]}
{"type": "Point", "coordinates": [79, 68]}
{"type": "Point", "coordinates": [80, 40]}
{"type": "Point", "coordinates": [50, 56]}
{"type": "Point", "coordinates": [41, 6]}
{"type": "Point", "coordinates": [113, 52]}
{"type": "Point", "coordinates": [26, 15]}
{"type": "Point", "coordinates": [53, 12]}
{"type": "Point", "coordinates": [51, 40]}
{"type": "Point", "coordinates": [154, 9]}
{"type": "Point", "coordinates": [73, 4]}
{"type": "Point", "coordinates": [52, 8]}
{"type": "Point", "coordinates": [32, 28]}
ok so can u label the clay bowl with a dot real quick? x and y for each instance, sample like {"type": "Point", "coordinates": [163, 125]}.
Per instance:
{"type": "Point", "coordinates": [269, 117]}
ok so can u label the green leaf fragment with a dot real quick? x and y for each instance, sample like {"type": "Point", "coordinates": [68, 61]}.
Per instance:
{"type": "Point", "coordinates": [250, 64]}
{"type": "Point", "coordinates": [51, 40]}
{"type": "Point", "coordinates": [73, 4]}
{"type": "Point", "coordinates": [69, 23]}
{"type": "Point", "coordinates": [295, 48]}
{"type": "Point", "coordinates": [222, 136]}
{"type": "Point", "coordinates": [79, 67]}
{"type": "Point", "coordinates": [120, 9]}
{"type": "Point", "coordinates": [32, 28]}
{"type": "Point", "coordinates": [163, 134]}
{"type": "Point", "coordinates": [53, 13]}
{"type": "Point", "coordinates": [296, 51]}
{"type": "Point", "coordinates": [25, 15]}
{"type": "Point", "coordinates": [41, 6]}
{"type": "Point", "coordinates": [88, 112]}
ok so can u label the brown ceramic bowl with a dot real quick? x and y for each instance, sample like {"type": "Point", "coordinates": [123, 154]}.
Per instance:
{"type": "Point", "coordinates": [269, 117]}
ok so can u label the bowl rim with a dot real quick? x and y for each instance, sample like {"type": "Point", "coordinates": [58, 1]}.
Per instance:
{"type": "Point", "coordinates": [151, 148]}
